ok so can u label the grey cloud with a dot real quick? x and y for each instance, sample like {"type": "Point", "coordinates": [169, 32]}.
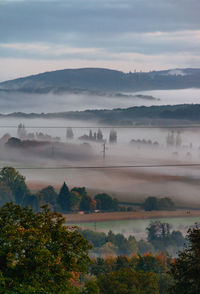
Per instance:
{"type": "Point", "coordinates": [151, 44]}
{"type": "Point", "coordinates": [114, 28]}
{"type": "Point", "coordinates": [9, 52]}
{"type": "Point", "coordinates": [52, 21]}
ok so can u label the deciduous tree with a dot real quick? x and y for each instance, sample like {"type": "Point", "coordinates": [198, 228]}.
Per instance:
{"type": "Point", "coordinates": [49, 195]}
{"type": "Point", "coordinates": [128, 281]}
{"type": "Point", "coordinates": [15, 181]}
{"type": "Point", "coordinates": [38, 253]}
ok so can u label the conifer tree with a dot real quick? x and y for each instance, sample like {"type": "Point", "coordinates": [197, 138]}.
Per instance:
{"type": "Point", "coordinates": [64, 199]}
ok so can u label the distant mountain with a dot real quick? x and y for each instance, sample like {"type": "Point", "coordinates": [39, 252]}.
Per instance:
{"type": "Point", "coordinates": [99, 79]}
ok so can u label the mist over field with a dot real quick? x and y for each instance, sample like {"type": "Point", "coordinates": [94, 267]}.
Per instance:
{"type": "Point", "coordinates": [149, 146]}
{"type": "Point", "coordinates": [127, 184]}
{"type": "Point", "coordinates": [138, 227]}
{"type": "Point", "coordinates": [51, 102]}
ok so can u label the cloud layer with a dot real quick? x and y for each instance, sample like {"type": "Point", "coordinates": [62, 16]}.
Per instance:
{"type": "Point", "coordinates": [128, 34]}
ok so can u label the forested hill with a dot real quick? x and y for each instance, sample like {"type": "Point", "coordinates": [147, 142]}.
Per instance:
{"type": "Point", "coordinates": [99, 79]}
{"type": "Point", "coordinates": [126, 116]}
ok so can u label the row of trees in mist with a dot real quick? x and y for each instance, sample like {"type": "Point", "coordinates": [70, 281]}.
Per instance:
{"type": "Point", "coordinates": [173, 138]}
{"type": "Point", "coordinates": [13, 188]}
{"type": "Point", "coordinates": [160, 238]}
{"type": "Point", "coordinates": [154, 203]}
{"type": "Point", "coordinates": [160, 274]}
{"type": "Point", "coordinates": [94, 136]}
{"type": "Point", "coordinates": [77, 199]}
{"type": "Point", "coordinates": [23, 134]}
{"type": "Point", "coordinates": [98, 136]}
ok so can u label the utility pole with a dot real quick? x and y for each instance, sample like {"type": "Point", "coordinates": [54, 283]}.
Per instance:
{"type": "Point", "coordinates": [52, 150]}
{"type": "Point", "coordinates": [104, 150]}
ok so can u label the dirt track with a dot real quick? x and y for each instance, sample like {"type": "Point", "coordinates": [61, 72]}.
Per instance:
{"type": "Point", "coordinates": [112, 216]}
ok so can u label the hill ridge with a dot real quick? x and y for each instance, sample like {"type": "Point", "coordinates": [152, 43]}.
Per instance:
{"type": "Point", "coordinates": [104, 79]}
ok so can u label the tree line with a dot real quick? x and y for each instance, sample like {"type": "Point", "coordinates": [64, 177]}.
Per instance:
{"type": "Point", "coordinates": [160, 238]}
{"type": "Point", "coordinates": [13, 188]}
{"type": "Point", "coordinates": [154, 203]}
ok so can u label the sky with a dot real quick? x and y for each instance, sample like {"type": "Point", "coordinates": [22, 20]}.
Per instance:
{"type": "Point", "coordinates": [127, 35]}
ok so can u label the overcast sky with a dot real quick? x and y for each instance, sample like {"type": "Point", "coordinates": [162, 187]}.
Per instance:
{"type": "Point", "coordinates": [43, 35]}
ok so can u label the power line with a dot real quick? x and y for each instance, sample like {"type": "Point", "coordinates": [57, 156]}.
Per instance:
{"type": "Point", "coordinates": [105, 127]}
{"type": "Point", "coordinates": [109, 166]}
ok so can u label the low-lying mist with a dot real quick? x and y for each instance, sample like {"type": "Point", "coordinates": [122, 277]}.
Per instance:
{"type": "Point", "coordinates": [25, 102]}
{"type": "Point", "coordinates": [148, 147]}
{"type": "Point", "coordinates": [173, 97]}
{"type": "Point", "coordinates": [51, 102]}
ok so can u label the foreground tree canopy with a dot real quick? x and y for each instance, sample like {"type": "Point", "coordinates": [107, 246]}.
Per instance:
{"type": "Point", "coordinates": [186, 268]}
{"type": "Point", "coordinates": [128, 281]}
{"type": "Point", "coordinates": [38, 253]}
